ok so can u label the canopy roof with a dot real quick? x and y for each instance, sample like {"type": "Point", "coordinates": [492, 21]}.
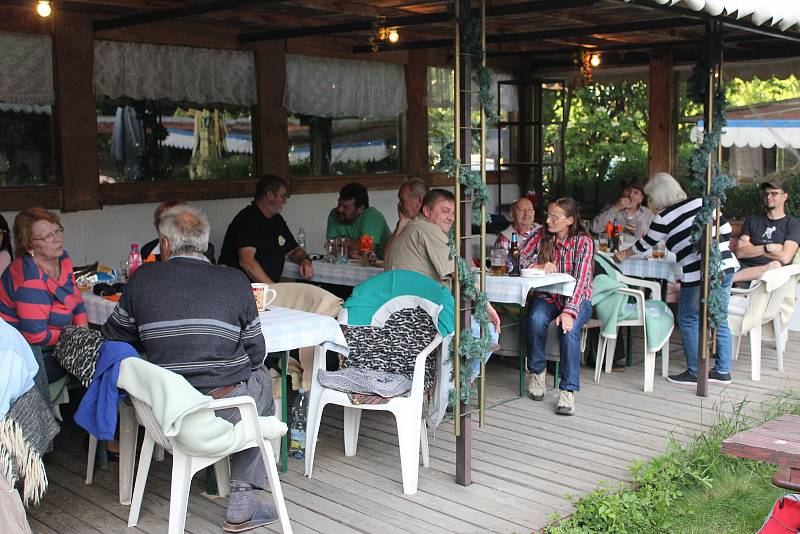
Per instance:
{"type": "Point", "coordinates": [760, 125]}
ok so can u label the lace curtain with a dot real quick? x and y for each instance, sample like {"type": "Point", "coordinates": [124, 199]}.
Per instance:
{"type": "Point", "coordinates": [26, 69]}
{"type": "Point", "coordinates": [440, 89]}
{"type": "Point", "coordinates": [174, 73]}
{"type": "Point", "coordinates": [337, 88]}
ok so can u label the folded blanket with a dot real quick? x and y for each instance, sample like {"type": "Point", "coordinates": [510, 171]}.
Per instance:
{"type": "Point", "coordinates": [367, 381]}
{"type": "Point", "coordinates": [25, 434]}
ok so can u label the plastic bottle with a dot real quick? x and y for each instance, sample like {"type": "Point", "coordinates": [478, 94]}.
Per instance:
{"type": "Point", "coordinates": [514, 254]}
{"type": "Point", "coordinates": [134, 259]}
{"type": "Point", "coordinates": [301, 239]}
{"type": "Point", "coordinates": [297, 426]}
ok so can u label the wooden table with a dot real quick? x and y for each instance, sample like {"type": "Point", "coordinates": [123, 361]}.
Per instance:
{"type": "Point", "coordinates": [777, 442]}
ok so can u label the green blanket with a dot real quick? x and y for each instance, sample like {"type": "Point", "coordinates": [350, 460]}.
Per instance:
{"type": "Point", "coordinates": [611, 306]}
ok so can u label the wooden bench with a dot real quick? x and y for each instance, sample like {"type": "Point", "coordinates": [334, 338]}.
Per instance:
{"type": "Point", "coordinates": [777, 442]}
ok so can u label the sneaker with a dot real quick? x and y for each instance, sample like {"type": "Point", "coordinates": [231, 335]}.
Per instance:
{"type": "Point", "coordinates": [537, 388]}
{"type": "Point", "coordinates": [618, 367]}
{"type": "Point", "coordinates": [719, 378]}
{"type": "Point", "coordinates": [566, 403]}
{"type": "Point", "coordinates": [684, 378]}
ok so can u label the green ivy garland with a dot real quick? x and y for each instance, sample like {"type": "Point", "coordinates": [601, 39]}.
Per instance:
{"type": "Point", "coordinates": [697, 91]}
{"type": "Point", "coordinates": [471, 350]}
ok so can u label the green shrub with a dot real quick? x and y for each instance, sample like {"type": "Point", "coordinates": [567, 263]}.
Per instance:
{"type": "Point", "coordinates": [741, 201]}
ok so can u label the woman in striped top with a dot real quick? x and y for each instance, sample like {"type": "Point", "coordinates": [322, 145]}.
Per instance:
{"type": "Point", "coordinates": [673, 224]}
{"type": "Point", "coordinates": [38, 294]}
{"type": "Point", "coordinates": [561, 246]}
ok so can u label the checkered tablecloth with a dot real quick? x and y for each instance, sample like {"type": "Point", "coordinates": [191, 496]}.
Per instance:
{"type": "Point", "coordinates": [283, 329]}
{"type": "Point", "coordinates": [346, 274]}
{"type": "Point", "coordinates": [641, 267]}
{"type": "Point", "coordinates": [514, 289]}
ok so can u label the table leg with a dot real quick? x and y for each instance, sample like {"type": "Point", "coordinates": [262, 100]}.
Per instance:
{"type": "Point", "coordinates": [522, 359]}
{"type": "Point", "coordinates": [284, 412]}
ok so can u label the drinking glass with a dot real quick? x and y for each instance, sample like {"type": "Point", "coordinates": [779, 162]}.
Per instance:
{"type": "Point", "coordinates": [331, 250]}
{"type": "Point", "coordinates": [659, 250]}
{"type": "Point", "coordinates": [124, 269]}
{"type": "Point", "coordinates": [341, 245]}
{"type": "Point", "coordinates": [603, 239]}
{"type": "Point", "coordinates": [499, 262]}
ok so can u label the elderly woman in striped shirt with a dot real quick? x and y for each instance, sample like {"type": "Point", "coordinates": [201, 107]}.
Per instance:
{"type": "Point", "coordinates": [38, 294]}
{"type": "Point", "coordinates": [673, 224]}
{"type": "Point", "coordinates": [562, 245]}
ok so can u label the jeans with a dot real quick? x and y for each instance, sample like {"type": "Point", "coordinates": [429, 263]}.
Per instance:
{"type": "Point", "coordinates": [689, 324]}
{"type": "Point", "coordinates": [247, 465]}
{"type": "Point", "coordinates": [538, 317]}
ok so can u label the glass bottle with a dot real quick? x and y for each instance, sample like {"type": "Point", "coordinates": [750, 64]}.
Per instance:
{"type": "Point", "coordinates": [514, 255]}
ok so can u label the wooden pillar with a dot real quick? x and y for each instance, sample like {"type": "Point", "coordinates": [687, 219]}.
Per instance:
{"type": "Point", "coordinates": [416, 145]}
{"type": "Point", "coordinates": [660, 127]}
{"type": "Point", "coordinates": [270, 128]}
{"type": "Point", "coordinates": [75, 120]}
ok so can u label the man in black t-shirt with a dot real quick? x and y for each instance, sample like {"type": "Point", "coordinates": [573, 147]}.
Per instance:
{"type": "Point", "coordinates": [258, 239]}
{"type": "Point", "coordinates": [768, 241]}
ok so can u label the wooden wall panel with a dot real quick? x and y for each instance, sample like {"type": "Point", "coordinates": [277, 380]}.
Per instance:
{"type": "Point", "coordinates": [416, 127]}
{"type": "Point", "coordinates": [661, 126]}
{"type": "Point", "coordinates": [270, 125]}
{"type": "Point", "coordinates": [75, 112]}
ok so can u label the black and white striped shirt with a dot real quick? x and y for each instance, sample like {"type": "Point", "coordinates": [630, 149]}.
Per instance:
{"type": "Point", "coordinates": [674, 226]}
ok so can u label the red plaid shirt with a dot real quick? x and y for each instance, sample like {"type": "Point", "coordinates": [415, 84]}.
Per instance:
{"type": "Point", "coordinates": [573, 256]}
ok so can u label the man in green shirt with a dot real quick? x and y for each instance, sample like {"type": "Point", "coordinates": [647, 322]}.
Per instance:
{"type": "Point", "coordinates": [353, 217]}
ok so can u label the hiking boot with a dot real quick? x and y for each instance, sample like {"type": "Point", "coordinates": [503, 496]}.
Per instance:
{"type": "Point", "coordinates": [686, 378]}
{"type": "Point", "coordinates": [536, 385]}
{"type": "Point", "coordinates": [566, 403]}
{"type": "Point", "coordinates": [719, 378]}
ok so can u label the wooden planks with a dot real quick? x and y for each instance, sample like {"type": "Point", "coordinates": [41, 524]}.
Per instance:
{"type": "Point", "coordinates": [525, 461]}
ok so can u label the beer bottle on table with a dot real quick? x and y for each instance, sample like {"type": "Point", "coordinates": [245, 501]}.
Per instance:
{"type": "Point", "coordinates": [514, 255]}
{"type": "Point", "coordinates": [616, 233]}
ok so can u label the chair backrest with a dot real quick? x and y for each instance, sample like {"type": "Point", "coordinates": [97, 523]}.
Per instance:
{"type": "Point", "coordinates": [144, 413]}
{"type": "Point", "coordinates": [306, 297]}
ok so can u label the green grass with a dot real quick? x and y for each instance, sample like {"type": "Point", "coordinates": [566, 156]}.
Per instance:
{"type": "Point", "coordinates": [691, 488]}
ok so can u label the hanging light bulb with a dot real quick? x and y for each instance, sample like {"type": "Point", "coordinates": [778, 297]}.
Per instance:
{"type": "Point", "coordinates": [43, 8]}
{"type": "Point", "coordinates": [595, 59]}
{"type": "Point", "coordinates": [393, 36]}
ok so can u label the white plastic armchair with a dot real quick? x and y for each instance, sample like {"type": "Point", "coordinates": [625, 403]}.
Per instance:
{"type": "Point", "coordinates": [412, 431]}
{"type": "Point", "coordinates": [607, 345]}
{"type": "Point", "coordinates": [184, 465]}
{"type": "Point", "coordinates": [749, 309]}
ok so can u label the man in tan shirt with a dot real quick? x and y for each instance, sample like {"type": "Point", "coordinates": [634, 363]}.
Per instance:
{"type": "Point", "coordinates": [422, 246]}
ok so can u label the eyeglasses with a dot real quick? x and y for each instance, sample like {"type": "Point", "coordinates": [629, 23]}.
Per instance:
{"type": "Point", "coordinates": [773, 193]}
{"type": "Point", "coordinates": [555, 217]}
{"type": "Point", "coordinates": [52, 236]}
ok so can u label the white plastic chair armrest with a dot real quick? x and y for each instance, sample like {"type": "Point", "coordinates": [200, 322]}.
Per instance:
{"type": "Point", "coordinates": [654, 287]}
{"type": "Point", "coordinates": [419, 365]}
{"type": "Point", "coordinates": [232, 402]}
{"type": "Point", "coordinates": [749, 291]}
{"type": "Point", "coordinates": [638, 294]}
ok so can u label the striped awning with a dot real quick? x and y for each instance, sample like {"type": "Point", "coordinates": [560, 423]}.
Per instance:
{"type": "Point", "coordinates": [783, 14]}
{"type": "Point", "coordinates": [756, 133]}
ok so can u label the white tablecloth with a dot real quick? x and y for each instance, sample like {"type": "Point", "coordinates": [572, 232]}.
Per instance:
{"type": "Point", "coordinates": [643, 267]}
{"type": "Point", "coordinates": [506, 289]}
{"type": "Point", "coordinates": [283, 329]}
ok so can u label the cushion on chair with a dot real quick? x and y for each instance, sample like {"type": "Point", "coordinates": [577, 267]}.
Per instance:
{"type": "Point", "coordinates": [394, 347]}
{"type": "Point", "coordinates": [78, 350]}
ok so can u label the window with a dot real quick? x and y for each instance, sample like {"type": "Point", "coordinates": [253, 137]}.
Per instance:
{"type": "Point", "coordinates": [150, 140]}
{"type": "Point", "coordinates": [26, 145]}
{"type": "Point", "coordinates": [320, 146]}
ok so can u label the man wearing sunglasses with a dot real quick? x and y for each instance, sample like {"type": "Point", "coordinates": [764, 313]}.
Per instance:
{"type": "Point", "coordinates": [770, 240]}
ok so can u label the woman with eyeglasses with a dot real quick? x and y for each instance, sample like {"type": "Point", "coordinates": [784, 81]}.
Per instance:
{"type": "Point", "coordinates": [561, 245]}
{"type": "Point", "coordinates": [5, 245]}
{"type": "Point", "coordinates": [38, 293]}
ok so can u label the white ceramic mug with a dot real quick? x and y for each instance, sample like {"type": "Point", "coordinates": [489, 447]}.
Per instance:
{"type": "Point", "coordinates": [260, 293]}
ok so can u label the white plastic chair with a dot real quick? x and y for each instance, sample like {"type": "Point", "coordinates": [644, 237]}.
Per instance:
{"type": "Point", "coordinates": [758, 305]}
{"type": "Point", "coordinates": [184, 466]}
{"type": "Point", "coordinates": [607, 345]}
{"type": "Point", "coordinates": [412, 432]}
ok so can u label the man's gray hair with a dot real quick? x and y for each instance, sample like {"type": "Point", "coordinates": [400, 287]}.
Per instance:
{"type": "Point", "coordinates": [663, 190]}
{"type": "Point", "coordinates": [417, 186]}
{"type": "Point", "coordinates": [187, 230]}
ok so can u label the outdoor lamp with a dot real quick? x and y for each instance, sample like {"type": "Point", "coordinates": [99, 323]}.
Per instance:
{"type": "Point", "coordinates": [43, 8]}
{"type": "Point", "coordinates": [595, 59]}
{"type": "Point", "coordinates": [393, 36]}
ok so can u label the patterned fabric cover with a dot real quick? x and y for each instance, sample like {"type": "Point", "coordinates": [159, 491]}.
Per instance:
{"type": "Point", "coordinates": [355, 380]}
{"type": "Point", "coordinates": [394, 347]}
{"type": "Point", "coordinates": [78, 350]}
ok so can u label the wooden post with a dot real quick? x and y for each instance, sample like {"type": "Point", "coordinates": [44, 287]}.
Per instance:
{"type": "Point", "coordinates": [270, 128]}
{"type": "Point", "coordinates": [463, 146]}
{"type": "Point", "coordinates": [75, 113]}
{"type": "Point", "coordinates": [660, 127]}
{"type": "Point", "coordinates": [416, 145]}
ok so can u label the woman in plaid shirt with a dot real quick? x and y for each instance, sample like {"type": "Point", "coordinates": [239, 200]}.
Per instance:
{"type": "Point", "coordinates": [562, 245]}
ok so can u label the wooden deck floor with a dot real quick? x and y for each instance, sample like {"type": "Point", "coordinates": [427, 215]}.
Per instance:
{"type": "Point", "coordinates": [525, 461]}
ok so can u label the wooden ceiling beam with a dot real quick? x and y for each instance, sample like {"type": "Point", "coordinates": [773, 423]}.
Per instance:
{"type": "Point", "coordinates": [563, 33]}
{"type": "Point", "coordinates": [191, 10]}
{"type": "Point", "coordinates": [535, 6]}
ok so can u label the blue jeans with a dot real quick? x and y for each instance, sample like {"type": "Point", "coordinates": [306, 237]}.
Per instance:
{"type": "Point", "coordinates": [538, 317]}
{"type": "Point", "coordinates": [689, 324]}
